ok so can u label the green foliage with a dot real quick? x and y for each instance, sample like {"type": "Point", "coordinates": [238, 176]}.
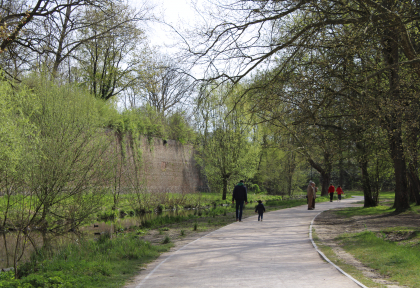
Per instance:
{"type": "Point", "coordinates": [228, 149]}
{"type": "Point", "coordinates": [177, 128]}
{"type": "Point", "coordinates": [105, 263]}
{"type": "Point", "coordinates": [160, 221]}
{"type": "Point", "coordinates": [107, 215]}
{"type": "Point", "coordinates": [398, 262]}
{"type": "Point", "coordinates": [166, 240]}
{"type": "Point", "coordinates": [56, 174]}
{"type": "Point", "coordinates": [18, 135]}
{"type": "Point", "coordinates": [147, 121]}
{"type": "Point", "coordinates": [7, 276]}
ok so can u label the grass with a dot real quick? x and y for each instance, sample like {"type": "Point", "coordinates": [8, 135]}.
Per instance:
{"type": "Point", "coordinates": [352, 193]}
{"type": "Point", "coordinates": [360, 211]}
{"type": "Point", "coordinates": [111, 262]}
{"type": "Point", "coordinates": [127, 207]}
{"type": "Point", "coordinates": [349, 269]}
{"type": "Point", "coordinates": [400, 263]}
{"type": "Point", "coordinates": [393, 252]}
{"type": "Point", "coordinates": [102, 263]}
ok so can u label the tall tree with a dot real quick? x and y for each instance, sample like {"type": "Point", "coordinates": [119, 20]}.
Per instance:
{"type": "Point", "coordinates": [254, 33]}
{"type": "Point", "coordinates": [165, 85]}
{"type": "Point", "coordinates": [115, 52]}
{"type": "Point", "coordinates": [50, 33]}
{"type": "Point", "coordinates": [226, 148]}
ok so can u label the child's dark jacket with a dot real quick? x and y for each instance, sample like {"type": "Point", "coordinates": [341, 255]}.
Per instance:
{"type": "Point", "coordinates": [260, 208]}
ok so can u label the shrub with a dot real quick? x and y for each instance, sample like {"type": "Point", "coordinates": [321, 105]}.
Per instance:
{"type": "Point", "coordinates": [166, 240]}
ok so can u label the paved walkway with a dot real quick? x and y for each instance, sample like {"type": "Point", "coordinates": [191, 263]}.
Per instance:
{"type": "Point", "coordinates": [274, 253]}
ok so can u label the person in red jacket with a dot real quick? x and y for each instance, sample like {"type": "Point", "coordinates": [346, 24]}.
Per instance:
{"type": "Point", "coordinates": [331, 191]}
{"type": "Point", "coordinates": [339, 192]}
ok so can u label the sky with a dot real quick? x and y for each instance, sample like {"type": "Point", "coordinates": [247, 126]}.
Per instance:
{"type": "Point", "coordinates": [178, 13]}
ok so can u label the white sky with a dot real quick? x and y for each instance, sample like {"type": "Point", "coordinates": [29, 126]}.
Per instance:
{"type": "Point", "coordinates": [178, 13]}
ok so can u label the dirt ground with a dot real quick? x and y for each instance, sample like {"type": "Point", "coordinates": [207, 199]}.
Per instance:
{"type": "Point", "coordinates": [329, 225]}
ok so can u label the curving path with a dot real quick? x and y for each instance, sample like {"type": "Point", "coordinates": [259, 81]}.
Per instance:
{"type": "Point", "coordinates": [274, 253]}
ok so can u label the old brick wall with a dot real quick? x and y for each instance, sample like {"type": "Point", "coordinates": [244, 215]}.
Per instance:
{"type": "Point", "coordinates": [166, 166]}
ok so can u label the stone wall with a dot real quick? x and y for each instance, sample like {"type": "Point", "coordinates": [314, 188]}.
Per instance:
{"type": "Point", "coordinates": [166, 166]}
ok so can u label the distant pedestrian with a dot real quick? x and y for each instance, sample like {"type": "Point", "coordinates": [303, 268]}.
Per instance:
{"type": "Point", "coordinates": [331, 191]}
{"type": "Point", "coordinates": [260, 209]}
{"type": "Point", "coordinates": [239, 195]}
{"type": "Point", "coordinates": [339, 192]}
{"type": "Point", "coordinates": [311, 195]}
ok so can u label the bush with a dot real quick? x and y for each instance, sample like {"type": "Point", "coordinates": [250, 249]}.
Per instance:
{"type": "Point", "coordinates": [7, 276]}
{"type": "Point", "coordinates": [109, 215]}
{"type": "Point", "coordinates": [87, 264]}
{"type": "Point", "coordinates": [166, 240]}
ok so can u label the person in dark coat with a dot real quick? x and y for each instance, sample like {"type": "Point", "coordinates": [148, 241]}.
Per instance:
{"type": "Point", "coordinates": [239, 195]}
{"type": "Point", "coordinates": [260, 209]}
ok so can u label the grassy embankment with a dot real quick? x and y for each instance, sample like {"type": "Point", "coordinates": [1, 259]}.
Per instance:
{"type": "Point", "coordinates": [394, 252]}
{"type": "Point", "coordinates": [106, 262]}
{"type": "Point", "coordinates": [127, 205]}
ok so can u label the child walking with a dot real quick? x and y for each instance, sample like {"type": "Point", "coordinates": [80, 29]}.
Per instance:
{"type": "Point", "coordinates": [260, 209]}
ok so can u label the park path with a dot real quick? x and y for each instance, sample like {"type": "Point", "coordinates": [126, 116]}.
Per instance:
{"type": "Point", "coordinates": [274, 253]}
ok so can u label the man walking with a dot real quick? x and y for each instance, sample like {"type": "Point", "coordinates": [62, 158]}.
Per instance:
{"type": "Point", "coordinates": [311, 195]}
{"type": "Point", "coordinates": [239, 194]}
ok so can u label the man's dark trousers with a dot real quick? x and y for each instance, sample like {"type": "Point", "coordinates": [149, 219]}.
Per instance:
{"type": "Point", "coordinates": [239, 207]}
{"type": "Point", "coordinates": [331, 196]}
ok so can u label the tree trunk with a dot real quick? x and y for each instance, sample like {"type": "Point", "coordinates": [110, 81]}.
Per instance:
{"type": "Point", "coordinates": [291, 166]}
{"type": "Point", "coordinates": [367, 191]}
{"type": "Point", "coordinates": [341, 170]}
{"type": "Point", "coordinates": [401, 196]}
{"type": "Point", "coordinates": [412, 154]}
{"type": "Point", "coordinates": [394, 117]}
{"type": "Point", "coordinates": [325, 182]}
{"type": "Point", "coordinates": [413, 177]}
{"type": "Point", "coordinates": [289, 184]}
{"type": "Point", "coordinates": [225, 183]}
{"type": "Point", "coordinates": [363, 162]}
{"type": "Point", "coordinates": [63, 34]}
{"type": "Point", "coordinates": [325, 174]}
{"type": "Point", "coordinates": [6, 249]}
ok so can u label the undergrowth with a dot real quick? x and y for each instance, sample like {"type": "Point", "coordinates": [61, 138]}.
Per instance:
{"type": "Point", "coordinates": [102, 263]}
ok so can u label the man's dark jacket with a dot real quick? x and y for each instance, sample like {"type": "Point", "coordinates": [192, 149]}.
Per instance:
{"type": "Point", "coordinates": [260, 208]}
{"type": "Point", "coordinates": [239, 193]}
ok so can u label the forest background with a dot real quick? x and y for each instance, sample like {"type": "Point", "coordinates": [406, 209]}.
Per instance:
{"type": "Point", "coordinates": [287, 91]}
